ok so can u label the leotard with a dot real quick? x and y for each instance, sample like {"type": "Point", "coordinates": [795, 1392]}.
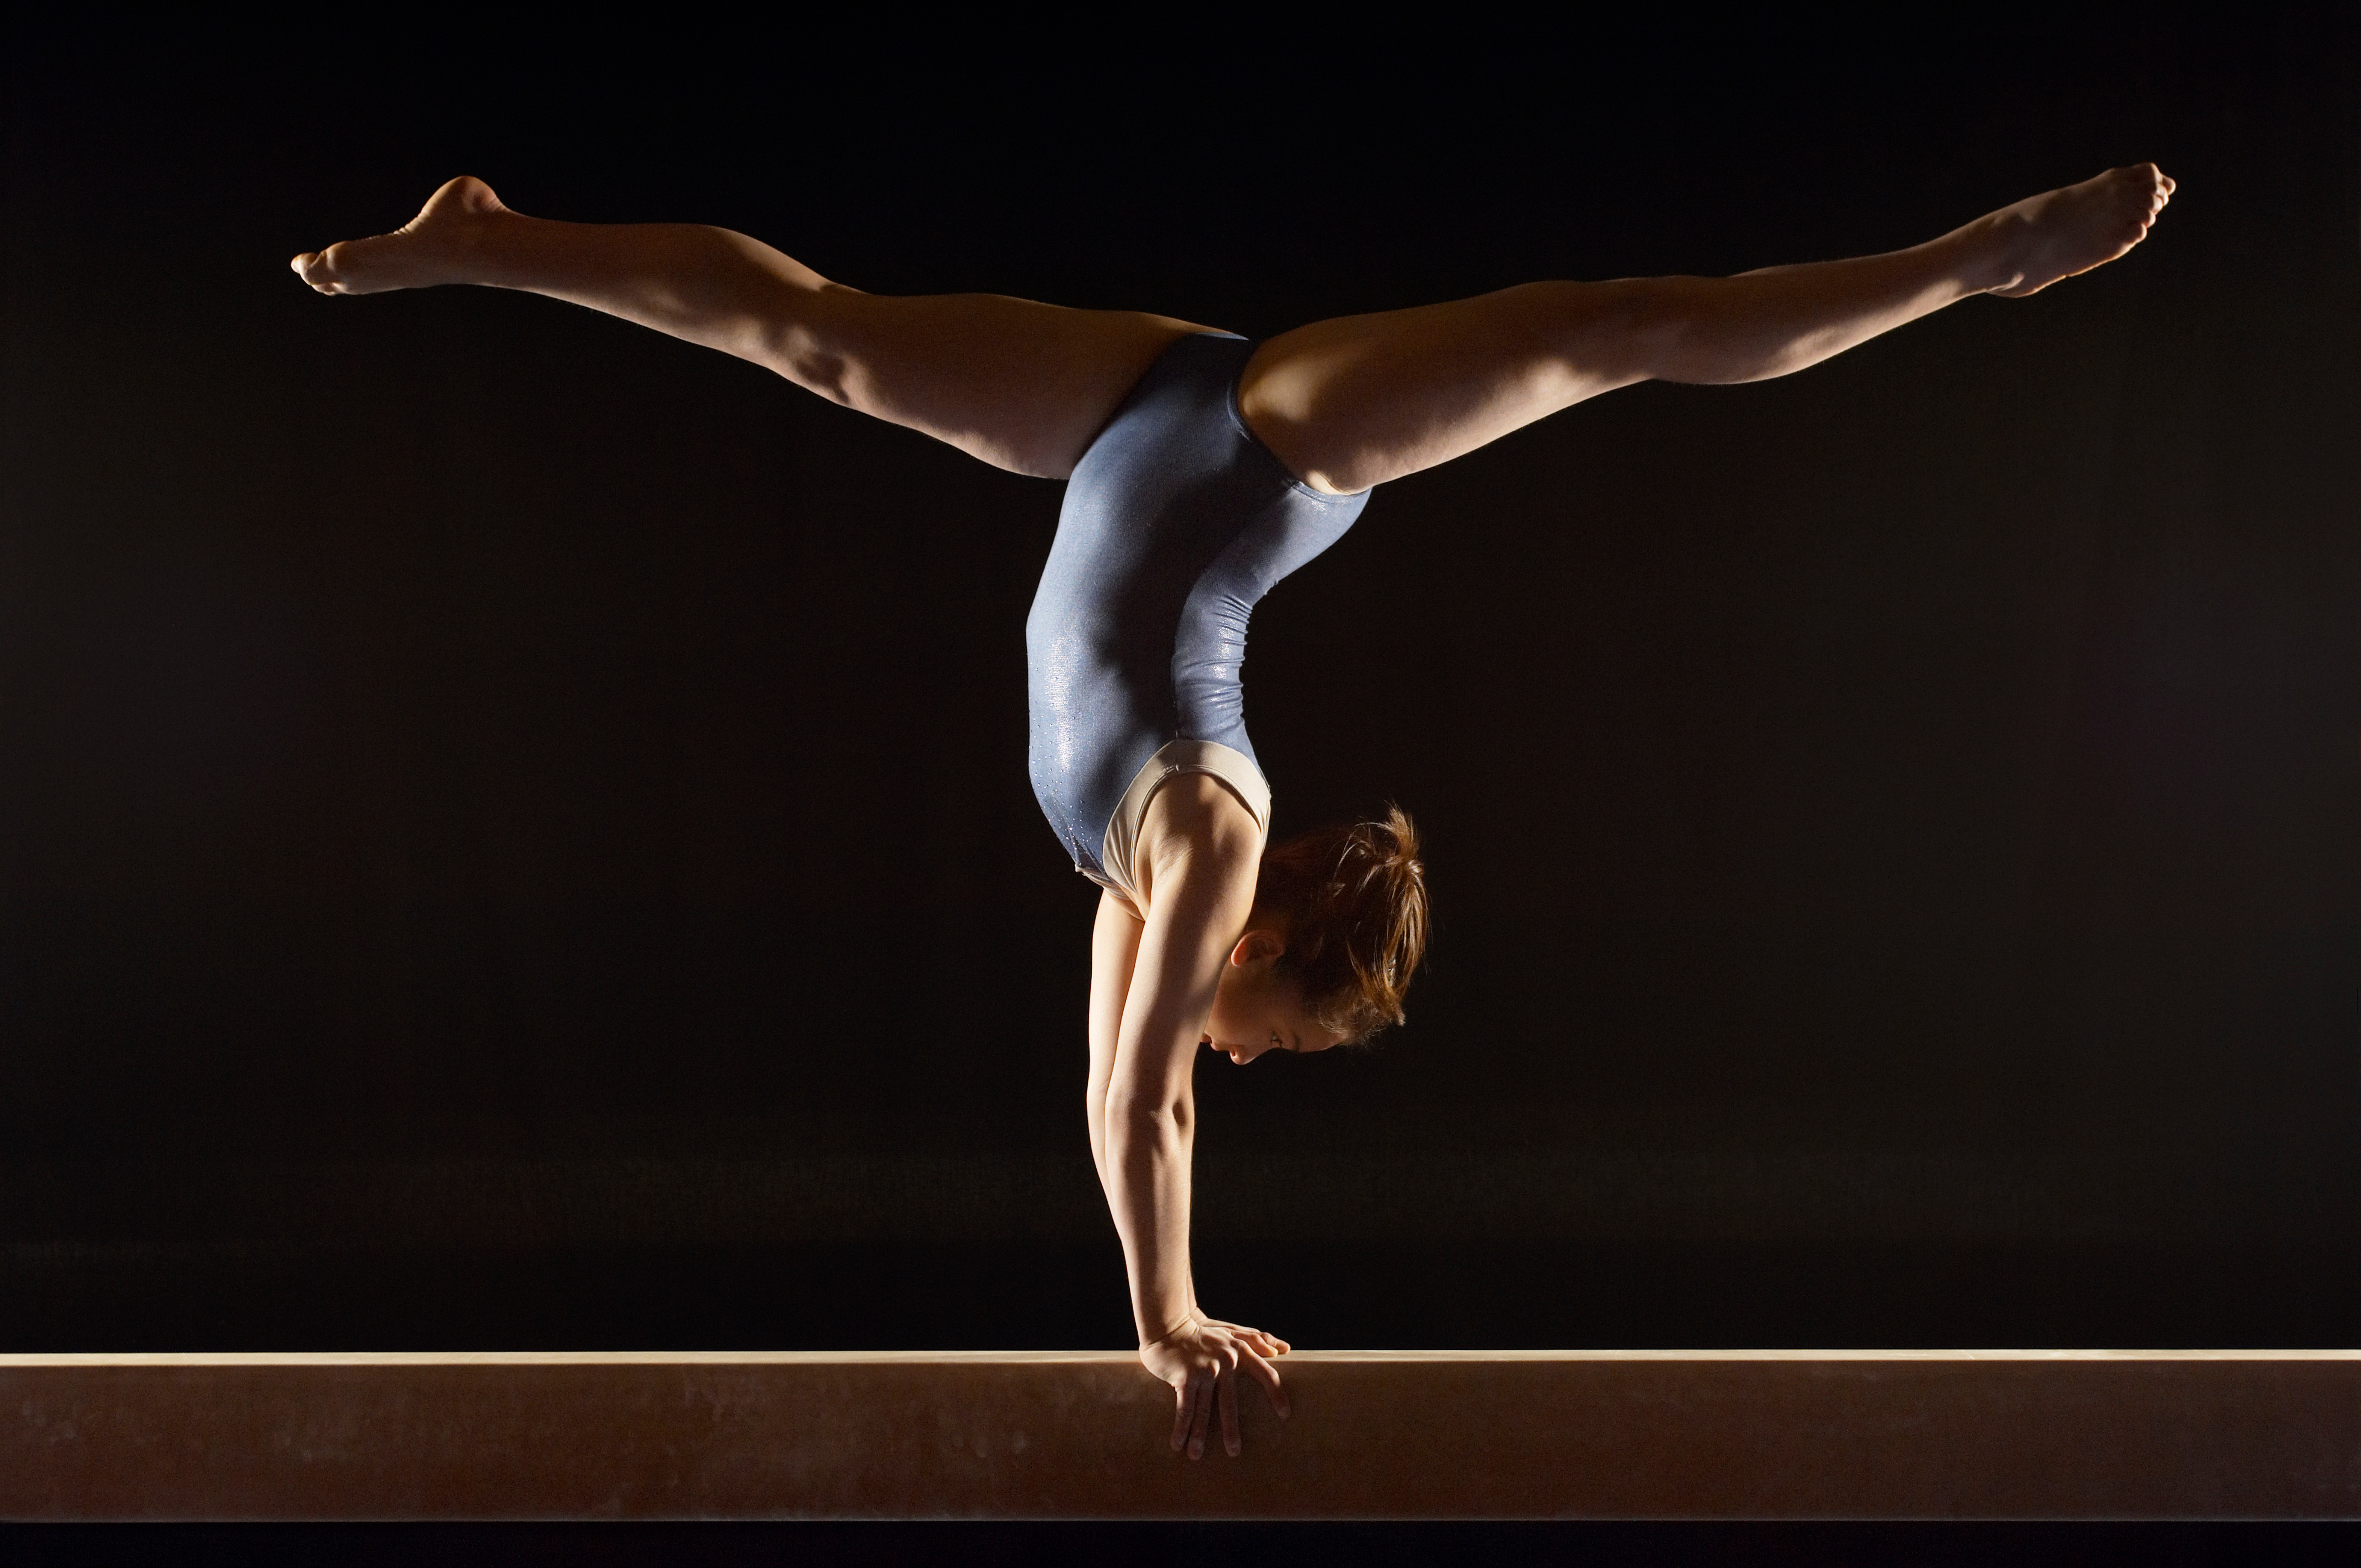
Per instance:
{"type": "Point", "coordinates": [1176, 523]}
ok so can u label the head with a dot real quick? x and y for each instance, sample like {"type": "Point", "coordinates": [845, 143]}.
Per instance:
{"type": "Point", "coordinates": [1338, 926]}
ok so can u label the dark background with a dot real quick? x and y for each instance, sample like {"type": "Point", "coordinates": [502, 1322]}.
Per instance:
{"type": "Point", "coordinates": [513, 831]}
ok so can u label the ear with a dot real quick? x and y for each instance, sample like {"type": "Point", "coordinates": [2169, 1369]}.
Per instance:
{"type": "Point", "coordinates": [1257, 944]}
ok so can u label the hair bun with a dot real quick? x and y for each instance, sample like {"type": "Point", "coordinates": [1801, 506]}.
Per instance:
{"type": "Point", "coordinates": [1355, 898]}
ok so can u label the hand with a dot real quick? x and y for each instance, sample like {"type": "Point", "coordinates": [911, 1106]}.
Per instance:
{"type": "Point", "coordinates": [1263, 1344]}
{"type": "Point", "coordinates": [1202, 1360]}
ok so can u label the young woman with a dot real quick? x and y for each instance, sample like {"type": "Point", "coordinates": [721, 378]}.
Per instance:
{"type": "Point", "coordinates": [1202, 469]}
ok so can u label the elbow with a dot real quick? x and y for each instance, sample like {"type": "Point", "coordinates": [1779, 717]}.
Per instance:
{"type": "Point", "coordinates": [1146, 1121]}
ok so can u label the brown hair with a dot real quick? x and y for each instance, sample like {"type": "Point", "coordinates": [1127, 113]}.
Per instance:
{"type": "Point", "coordinates": [1354, 900]}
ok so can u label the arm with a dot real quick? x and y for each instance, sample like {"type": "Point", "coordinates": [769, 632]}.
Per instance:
{"type": "Point", "coordinates": [1115, 950]}
{"type": "Point", "coordinates": [1115, 947]}
{"type": "Point", "coordinates": [1197, 884]}
{"type": "Point", "coordinates": [1194, 911]}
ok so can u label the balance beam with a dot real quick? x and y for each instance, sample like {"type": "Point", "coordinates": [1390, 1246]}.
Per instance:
{"type": "Point", "coordinates": [1375, 1435]}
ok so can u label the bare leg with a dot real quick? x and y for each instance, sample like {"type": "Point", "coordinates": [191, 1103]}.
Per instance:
{"type": "Point", "coordinates": [1360, 400]}
{"type": "Point", "coordinates": [1023, 386]}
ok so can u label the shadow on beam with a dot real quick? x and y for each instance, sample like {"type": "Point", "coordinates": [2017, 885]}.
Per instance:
{"type": "Point", "coordinates": [1376, 1435]}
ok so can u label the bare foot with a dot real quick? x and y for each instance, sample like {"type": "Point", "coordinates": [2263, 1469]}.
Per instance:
{"type": "Point", "coordinates": [430, 249]}
{"type": "Point", "coordinates": [2060, 233]}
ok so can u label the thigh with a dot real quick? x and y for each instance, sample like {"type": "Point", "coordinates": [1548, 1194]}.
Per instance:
{"type": "Point", "coordinates": [1021, 384]}
{"type": "Point", "coordinates": [1353, 401]}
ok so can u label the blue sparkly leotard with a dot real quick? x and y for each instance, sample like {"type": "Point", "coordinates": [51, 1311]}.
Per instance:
{"type": "Point", "coordinates": [1176, 523]}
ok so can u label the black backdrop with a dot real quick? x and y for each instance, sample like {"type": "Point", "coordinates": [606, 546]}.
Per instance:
{"type": "Point", "coordinates": [515, 830]}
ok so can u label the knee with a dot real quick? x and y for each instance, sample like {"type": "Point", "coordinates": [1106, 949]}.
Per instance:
{"type": "Point", "coordinates": [811, 335]}
{"type": "Point", "coordinates": [816, 371]}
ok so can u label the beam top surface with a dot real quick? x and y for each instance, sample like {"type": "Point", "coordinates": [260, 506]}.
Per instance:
{"type": "Point", "coordinates": [1091, 1357]}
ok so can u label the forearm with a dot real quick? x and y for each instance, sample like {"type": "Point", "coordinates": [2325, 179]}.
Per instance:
{"type": "Point", "coordinates": [1096, 1112]}
{"type": "Point", "coordinates": [1147, 1171]}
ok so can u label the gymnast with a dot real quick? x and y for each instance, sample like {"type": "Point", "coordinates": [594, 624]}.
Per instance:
{"type": "Point", "coordinates": [1201, 469]}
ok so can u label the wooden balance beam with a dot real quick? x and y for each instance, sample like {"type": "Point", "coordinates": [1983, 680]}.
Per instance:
{"type": "Point", "coordinates": [1375, 1435]}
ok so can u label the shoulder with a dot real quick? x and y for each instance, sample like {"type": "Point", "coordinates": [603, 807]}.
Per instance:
{"type": "Point", "coordinates": [1197, 832]}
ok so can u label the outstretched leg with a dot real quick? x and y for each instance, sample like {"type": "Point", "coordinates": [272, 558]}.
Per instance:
{"type": "Point", "coordinates": [1023, 386]}
{"type": "Point", "coordinates": [1360, 400]}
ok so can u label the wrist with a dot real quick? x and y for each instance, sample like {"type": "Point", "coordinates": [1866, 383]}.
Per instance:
{"type": "Point", "coordinates": [1178, 1331]}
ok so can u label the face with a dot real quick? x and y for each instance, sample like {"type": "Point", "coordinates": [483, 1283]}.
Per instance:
{"type": "Point", "coordinates": [1255, 1010]}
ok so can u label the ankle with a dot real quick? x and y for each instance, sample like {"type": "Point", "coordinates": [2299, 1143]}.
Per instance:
{"type": "Point", "coordinates": [1986, 255]}
{"type": "Point", "coordinates": [478, 247]}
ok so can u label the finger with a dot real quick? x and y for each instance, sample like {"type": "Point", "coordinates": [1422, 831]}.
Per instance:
{"type": "Point", "coordinates": [1263, 1341]}
{"type": "Point", "coordinates": [1268, 1376]}
{"type": "Point", "coordinates": [1181, 1413]}
{"type": "Point", "coordinates": [1201, 1387]}
{"type": "Point", "coordinates": [1227, 1388]}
